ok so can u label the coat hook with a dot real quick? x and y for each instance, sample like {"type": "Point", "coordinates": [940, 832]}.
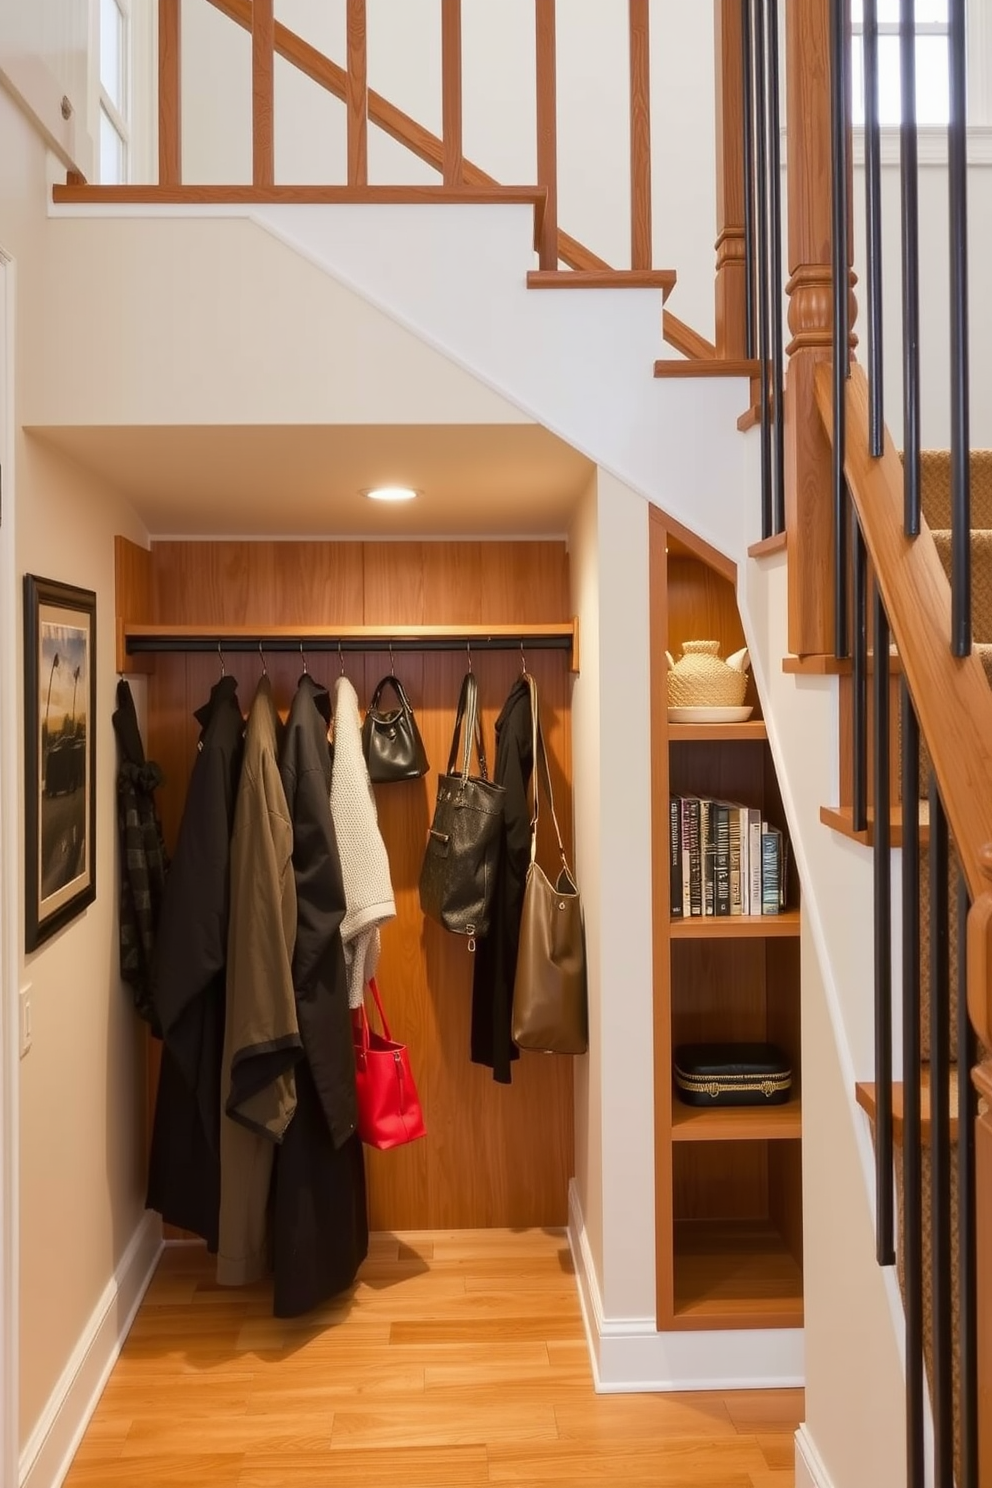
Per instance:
{"type": "Point", "coordinates": [341, 657]}
{"type": "Point", "coordinates": [392, 664]}
{"type": "Point", "coordinates": [265, 670]}
{"type": "Point", "coordinates": [468, 648]}
{"type": "Point", "coordinates": [220, 656]}
{"type": "Point", "coordinates": [523, 661]}
{"type": "Point", "coordinates": [306, 669]}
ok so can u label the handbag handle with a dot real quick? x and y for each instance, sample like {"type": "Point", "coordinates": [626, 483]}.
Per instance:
{"type": "Point", "coordinates": [364, 1017]}
{"type": "Point", "coordinates": [397, 686]}
{"type": "Point", "coordinates": [540, 755]}
{"type": "Point", "coordinates": [468, 708]}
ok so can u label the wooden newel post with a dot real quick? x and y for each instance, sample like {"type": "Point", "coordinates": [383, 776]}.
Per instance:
{"type": "Point", "coordinates": [808, 485]}
{"type": "Point", "coordinates": [731, 270]}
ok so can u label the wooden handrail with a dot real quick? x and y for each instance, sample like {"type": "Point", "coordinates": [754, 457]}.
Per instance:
{"type": "Point", "coordinates": [169, 93]}
{"type": "Point", "coordinates": [357, 90]}
{"type": "Point", "coordinates": [263, 171]}
{"type": "Point", "coordinates": [390, 119]}
{"type": "Point", "coordinates": [547, 128]}
{"type": "Point", "coordinates": [640, 136]}
{"type": "Point", "coordinates": [952, 697]}
{"type": "Point", "coordinates": [731, 275]}
{"type": "Point", "coordinates": [451, 92]}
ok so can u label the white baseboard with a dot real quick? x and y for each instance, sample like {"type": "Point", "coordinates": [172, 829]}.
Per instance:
{"type": "Point", "coordinates": [810, 1471]}
{"type": "Point", "coordinates": [49, 1450]}
{"type": "Point", "coordinates": [629, 1354]}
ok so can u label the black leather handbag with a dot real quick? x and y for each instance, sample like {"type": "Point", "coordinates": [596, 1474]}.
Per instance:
{"type": "Point", "coordinates": [458, 875]}
{"type": "Point", "coordinates": [391, 741]}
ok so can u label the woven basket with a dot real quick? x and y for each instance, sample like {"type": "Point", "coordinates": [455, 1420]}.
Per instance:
{"type": "Point", "coordinates": [699, 679]}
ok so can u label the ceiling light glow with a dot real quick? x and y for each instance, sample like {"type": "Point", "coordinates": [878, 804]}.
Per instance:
{"type": "Point", "coordinates": [391, 493]}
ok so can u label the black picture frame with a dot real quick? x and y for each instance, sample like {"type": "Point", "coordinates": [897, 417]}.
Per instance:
{"type": "Point", "coordinates": [59, 755]}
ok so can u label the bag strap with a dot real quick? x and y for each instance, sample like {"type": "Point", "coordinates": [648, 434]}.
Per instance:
{"type": "Point", "coordinates": [468, 708]}
{"type": "Point", "coordinates": [397, 686]}
{"type": "Point", "coordinates": [540, 755]}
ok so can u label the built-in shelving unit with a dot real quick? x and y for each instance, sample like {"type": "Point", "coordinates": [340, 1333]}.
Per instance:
{"type": "Point", "coordinates": [728, 1180]}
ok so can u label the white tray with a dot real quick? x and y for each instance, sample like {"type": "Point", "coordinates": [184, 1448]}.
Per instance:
{"type": "Point", "coordinates": [709, 715]}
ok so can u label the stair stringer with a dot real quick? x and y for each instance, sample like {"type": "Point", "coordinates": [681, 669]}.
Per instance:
{"type": "Point", "coordinates": [855, 1321]}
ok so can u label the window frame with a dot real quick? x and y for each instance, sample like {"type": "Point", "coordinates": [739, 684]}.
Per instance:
{"type": "Point", "coordinates": [893, 29]}
{"type": "Point", "coordinates": [119, 118]}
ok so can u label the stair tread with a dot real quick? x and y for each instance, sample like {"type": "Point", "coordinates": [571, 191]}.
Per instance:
{"type": "Point", "coordinates": [865, 1091]}
{"type": "Point", "coordinates": [663, 279]}
{"type": "Point", "coordinates": [707, 367]}
{"type": "Point", "coordinates": [840, 819]}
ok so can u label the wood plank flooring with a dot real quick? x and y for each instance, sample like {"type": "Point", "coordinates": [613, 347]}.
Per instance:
{"type": "Point", "coordinates": [458, 1360]}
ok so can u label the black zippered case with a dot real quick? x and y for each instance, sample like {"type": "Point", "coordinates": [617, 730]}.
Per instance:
{"type": "Point", "coordinates": [732, 1075]}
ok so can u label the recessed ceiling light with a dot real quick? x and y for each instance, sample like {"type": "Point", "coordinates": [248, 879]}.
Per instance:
{"type": "Point", "coordinates": [391, 493]}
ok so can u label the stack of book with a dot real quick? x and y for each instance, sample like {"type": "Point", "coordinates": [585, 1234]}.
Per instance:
{"type": "Point", "coordinates": [724, 859]}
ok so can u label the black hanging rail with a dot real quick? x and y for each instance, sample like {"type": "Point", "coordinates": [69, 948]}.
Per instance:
{"type": "Point", "coordinates": [911, 1074]}
{"type": "Point", "coordinates": [957, 173]}
{"type": "Point", "coordinates": [885, 1248]}
{"type": "Point", "coordinates": [840, 95]}
{"type": "Point", "coordinates": [909, 190]}
{"type": "Point", "coordinates": [144, 640]}
{"type": "Point", "coordinates": [940, 1144]}
{"type": "Point", "coordinates": [873, 229]}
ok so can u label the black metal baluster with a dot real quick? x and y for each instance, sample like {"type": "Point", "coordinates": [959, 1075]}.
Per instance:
{"type": "Point", "coordinates": [859, 681]}
{"type": "Point", "coordinates": [761, 159]}
{"type": "Point", "coordinates": [882, 863]}
{"type": "Point", "coordinates": [967, 1217]}
{"type": "Point", "coordinates": [839, 95]}
{"type": "Point", "coordinates": [910, 272]}
{"type": "Point", "coordinates": [940, 1145]}
{"type": "Point", "coordinates": [957, 172]}
{"type": "Point", "coordinates": [912, 1238]}
{"type": "Point", "coordinates": [775, 272]}
{"type": "Point", "coordinates": [749, 269]}
{"type": "Point", "coordinates": [873, 230]}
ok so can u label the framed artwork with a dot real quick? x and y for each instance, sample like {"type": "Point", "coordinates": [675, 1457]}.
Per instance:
{"type": "Point", "coordinates": [59, 755]}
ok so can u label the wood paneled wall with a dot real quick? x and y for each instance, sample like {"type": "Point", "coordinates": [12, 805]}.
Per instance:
{"type": "Point", "coordinates": [494, 1155]}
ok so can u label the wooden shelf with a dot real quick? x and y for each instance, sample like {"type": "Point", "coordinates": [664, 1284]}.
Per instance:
{"type": "Point", "coordinates": [135, 639]}
{"type": "Point", "coordinates": [737, 1123]}
{"type": "Point", "coordinates": [735, 1274]}
{"type": "Point", "coordinates": [736, 927]}
{"type": "Point", "coordinates": [754, 728]}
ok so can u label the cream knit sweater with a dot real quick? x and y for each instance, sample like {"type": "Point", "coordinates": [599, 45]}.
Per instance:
{"type": "Point", "coordinates": [368, 890]}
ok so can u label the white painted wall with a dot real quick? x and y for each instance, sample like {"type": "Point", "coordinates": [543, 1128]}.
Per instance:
{"type": "Point", "coordinates": [80, 1105]}
{"type": "Point", "coordinates": [44, 58]}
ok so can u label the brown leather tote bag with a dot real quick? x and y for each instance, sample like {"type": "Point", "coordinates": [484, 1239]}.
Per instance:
{"type": "Point", "coordinates": [550, 1009]}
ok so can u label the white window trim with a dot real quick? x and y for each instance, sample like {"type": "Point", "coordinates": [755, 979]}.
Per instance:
{"type": "Point", "coordinates": [120, 118]}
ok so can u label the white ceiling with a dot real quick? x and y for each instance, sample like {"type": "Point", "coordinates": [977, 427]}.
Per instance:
{"type": "Point", "coordinates": [305, 480]}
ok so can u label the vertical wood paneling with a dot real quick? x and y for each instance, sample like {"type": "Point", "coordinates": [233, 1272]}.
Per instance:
{"type": "Point", "coordinates": [357, 95]}
{"type": "Point", "coordinates": [133, 587]}
{"type": "Point", "coordinates": [494, 1155]}
{"type": "Point", "coordinates": [640, 136]}
{"type": "Point", "coordinates": [547, 128]}
{"type": "Point", "coordinates": [451, 92]}
{"type": "Point", "coordinates": [169, 93]}
{"type": "Point", "coordinates": [731, 275]}
{"type": "Point", "coordinates": [262, 92]}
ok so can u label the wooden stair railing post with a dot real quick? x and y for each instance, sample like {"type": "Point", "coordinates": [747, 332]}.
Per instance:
{"type": "Point", "coordinates": [262, 90]}
{"type": "Point", "coordinates": [808, 485]}
{"type": "Point", "coordinates": [169, 94]}
{"type": "Point", "coordinates": [357, 91]}
{"type": "Point", "coordinates": [731, 269]}
{"type": "Point", "coordinates": [640, 136]}
{"type": "Point", "coordinates": [547, 128]}
{"type": "Point", "coordinates": [451, 92]}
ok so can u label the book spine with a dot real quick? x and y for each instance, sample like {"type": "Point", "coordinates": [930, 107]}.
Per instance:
{"type": "Point", "coordinates": [754, 858]}
{"type": "Point", "coordinates": [720, 827]}
{"type": "Point", "coordinates": [707, 843]}
{"type": "Point", "coordinates": [686, 856]}
{"type": "Point", "coordinates": [771, 867]}
{"type": "Point", "coordinates": [695, 857]}
{"type": "Point", "coordinates": [734, 815]}
{"type": "Point", "coordinates": [675, 857]}
{"type": "Point", "coordinates": [745, 862]}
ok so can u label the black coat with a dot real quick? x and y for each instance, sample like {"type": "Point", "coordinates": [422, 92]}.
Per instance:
{"type": "Point", "coordinates": [143, 862]}
{"type": "Point", "coordinates": [320, 1232]}
{"type": "Point", "coordinates": [496, 955]}
{"type": "Point", "coordinates": [191, 955]}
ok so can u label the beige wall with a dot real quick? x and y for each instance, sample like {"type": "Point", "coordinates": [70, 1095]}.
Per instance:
{"type": "Point", "coordinates": [80, 1157]}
